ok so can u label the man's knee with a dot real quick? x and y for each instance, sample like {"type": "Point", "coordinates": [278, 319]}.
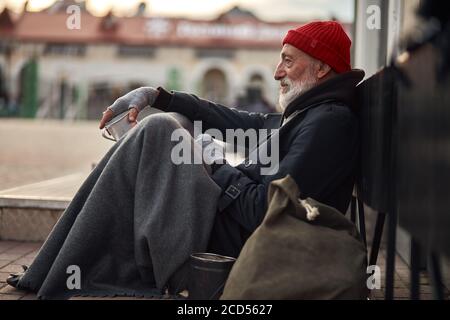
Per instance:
{"type": "Point", "coordinates": [158, 120]}
{"type": "Point", "coordinates": [167, 122]}
{"type": "Point", "coordinates": [183, 121]}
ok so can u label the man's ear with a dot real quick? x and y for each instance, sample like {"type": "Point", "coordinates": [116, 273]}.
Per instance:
{"type": "Point", "coordinates": [323, 70]}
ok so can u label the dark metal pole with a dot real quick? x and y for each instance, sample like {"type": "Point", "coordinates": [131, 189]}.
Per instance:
{"type": "Point", "coordinates": [362, 221]}
{"type": "Point", "coordinates": [390, 254]}
{"type": "Point", "coordinates": [415, 270]}
{"type": "Point", "coordinates": [353, 210]}
{"type": "Point", "coordinates": [434, 271]}
{"type": "Point", "coordinates": [377, 236]}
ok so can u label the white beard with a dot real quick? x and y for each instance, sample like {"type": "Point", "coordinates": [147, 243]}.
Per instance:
{"type": "Point", "coordinates": [295, 89]}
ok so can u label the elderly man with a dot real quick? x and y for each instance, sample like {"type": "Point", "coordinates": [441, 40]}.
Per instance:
{"type": "Point", "coordinates": [318, 148]}
{"type": "Point", "coordinates": [143, 215]}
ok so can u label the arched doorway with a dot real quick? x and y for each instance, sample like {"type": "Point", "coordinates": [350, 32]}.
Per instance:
{"type": "Point", "coordinates": [214, 86]}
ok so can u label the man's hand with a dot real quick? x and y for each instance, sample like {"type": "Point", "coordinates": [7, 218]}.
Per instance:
{"type": "Point", "coordinates": [134, 101]}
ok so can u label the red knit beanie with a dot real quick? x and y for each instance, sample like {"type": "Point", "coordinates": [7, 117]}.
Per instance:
{"type": "Point", "coordinates": [325, 41]}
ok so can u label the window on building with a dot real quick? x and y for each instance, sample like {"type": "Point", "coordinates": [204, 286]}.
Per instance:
{"type": "Point", "coordinates": [136, 51]}
{"type": "Point", "coordinates": [214, 53]}
{"type": "Point", "coordinates": [63, 49]}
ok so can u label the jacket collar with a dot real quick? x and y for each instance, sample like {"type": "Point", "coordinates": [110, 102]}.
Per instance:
{"type": "Point", "coordinates": [340, 88]}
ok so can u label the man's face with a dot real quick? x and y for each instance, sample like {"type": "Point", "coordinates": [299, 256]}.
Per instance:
{"type": "Point", "coordinates": [297, 73]}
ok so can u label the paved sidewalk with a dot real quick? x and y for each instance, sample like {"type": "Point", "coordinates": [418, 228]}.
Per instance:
{"type": "Point", "coordinates": [402, 281]}
{"type": "Point", "coordinates": [13, 254]}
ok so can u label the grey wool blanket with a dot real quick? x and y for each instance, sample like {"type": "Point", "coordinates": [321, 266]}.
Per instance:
{"type": "Point", "coordinates": [133, 224]}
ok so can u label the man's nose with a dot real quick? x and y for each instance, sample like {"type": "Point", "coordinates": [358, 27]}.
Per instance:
{"type": "Point", "coordinates": [279, 73]}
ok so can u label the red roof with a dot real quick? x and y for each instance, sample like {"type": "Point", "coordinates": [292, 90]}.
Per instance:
{"type": "Point", "coordinates": [45, 27]}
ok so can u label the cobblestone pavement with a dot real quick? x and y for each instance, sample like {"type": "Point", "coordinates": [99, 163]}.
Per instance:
{"type": "Point", "coordinates": [14, 254]}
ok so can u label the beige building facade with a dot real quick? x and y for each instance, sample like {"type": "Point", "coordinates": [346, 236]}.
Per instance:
{"type": "Point", "coordinates": [78, 72]}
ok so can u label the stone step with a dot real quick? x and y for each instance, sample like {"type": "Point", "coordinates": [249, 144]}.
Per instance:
{"type": "Point", "coordinates": [29, 212]}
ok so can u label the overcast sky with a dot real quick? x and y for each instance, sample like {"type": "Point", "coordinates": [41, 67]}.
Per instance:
{"type": "Point", "coordinates": [208, 9]}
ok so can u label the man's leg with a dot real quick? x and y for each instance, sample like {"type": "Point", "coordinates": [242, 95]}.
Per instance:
{"type": "Point", "coordinates": [182, 120]}
{"type": "Point", "coordinates": [127, 225]}
{"type": "Point", "coordinates": [187, 195]}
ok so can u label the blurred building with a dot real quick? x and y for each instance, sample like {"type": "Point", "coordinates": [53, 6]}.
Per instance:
{"type": "Point", "coordinates": [48, 69]}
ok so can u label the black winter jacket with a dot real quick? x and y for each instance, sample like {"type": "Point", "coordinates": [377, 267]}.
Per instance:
{"type": "Point", "coordinates": [318, 147]}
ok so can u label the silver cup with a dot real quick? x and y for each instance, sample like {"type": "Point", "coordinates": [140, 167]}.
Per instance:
{"type": "Point", "coordinates": [117, 127]}
{"type": "Point", "coordinates": [208, 275]}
